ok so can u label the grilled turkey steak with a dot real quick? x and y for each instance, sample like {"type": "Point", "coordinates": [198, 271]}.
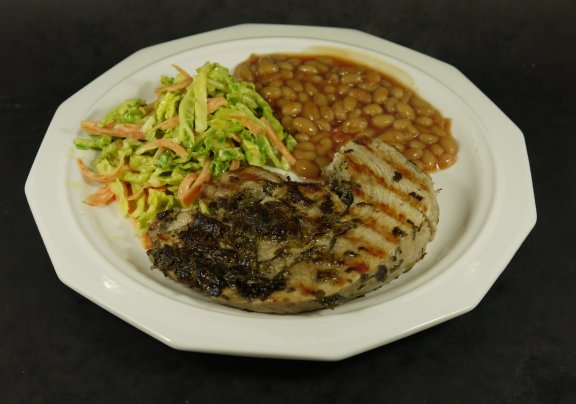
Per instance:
{"type": "Point", "coordinates": [268, 244]}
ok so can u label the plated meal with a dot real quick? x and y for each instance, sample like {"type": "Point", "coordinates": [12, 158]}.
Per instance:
{"type": "Point", "coordinates": [190, 170]}
{"type": "Point", "coordinates": [259, 169]}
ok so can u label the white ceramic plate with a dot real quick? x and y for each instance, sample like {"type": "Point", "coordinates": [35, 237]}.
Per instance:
{"type": "Point", "coordinates": [486, 203]}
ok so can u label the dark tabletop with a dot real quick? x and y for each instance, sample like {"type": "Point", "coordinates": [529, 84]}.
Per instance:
{"type": "Point", "coordinates": [516, 346]}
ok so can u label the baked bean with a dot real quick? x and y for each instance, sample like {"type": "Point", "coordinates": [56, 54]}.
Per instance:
{"type": "Point", "coordinates": [329, 89]}
{"type": "Point", "coordinates": [324, 125]}
{"type": "Point", "coordinates": [407, 95]}
{"type": "Point", "coordinates": [349, 103]}
{"type": "Point", "coordinates": [307, 169]}
{"type": "Point", "coordinates": [271, 93]}
{"type": "Point", "coordinates": [291, 108]}
{"type": "Point", "coordinates": [310, 89]}
{"type": "Point", "coordinates": [401, 124]}
{"type": "Point", "coordinates": [308, 146]}
{"type": "Point", "coordinates": [354, 125]}
{"type": "Point", "coordinates": [413, 153]}
{"type": "Point", "coordinates": [448, 144]}
{"type": "Point", "coordinates": [446, 160]}
{"type": "Point", "coordinates": [274, 79]}
{"type": "Point", "coordinates": [391, 104]}
{"type": "Point", "coordinates": [417, 144]}
{"type": "Point", "coordinates": [436, 149]}
{"type": "Point", "coordinates": [320, 100]}
{"type": "Point", "coordinates": [324, 102]}
{"type": "Point", "coordinates": [286, 121]}
{"type": "Point", "coordinates": [324, 146]}
{"type": "Point", "coordinates": [342, 89]}
{"type": "Point", "coordinates": [289, 94]}
{"type": "Point", "coordinates": [307, 68]}
{"type": "Point", "coordinates": [244, 73]}
{"type": "Point", "coordinates": [392, 136]}
{"type": "Point", "coordinates": [321, 66]}
{"type": "Point", "coordinates": [294, 61]}
{"type": "Point", "coordinates": [372, 76]}
{"type": "Point", "coordinates": [405, 111]}
{"type": "Point", "coordinates": [304, 154]}
{"type": "Point", "coordinates": [354, 114]}
{"type": "Point", "coordinates": [382, 120]}
{"type": "Point", "coordinates": [370, 87]}
{"type": "Point", "coordinates": [304, 125]}
{"type": "Point", "coordinates": [327, 113]}
{"type": "Point", "coordinates": [410, 134]}
{"type": "Point", "coordinates": [428, 138]}
{"type": "Point", "coordinates": [310, 111]}
{"type": "Point", "coordinates": [428, 159]}
{"type": "Point", "coordinates": [285, 66]}
{"type": "Point", "coordinates": [295, 85]}
{"type": "Point", "coordinates": [380, 95]}
{"type": "Point", "coordinates": [424, 120]}
{"type": "Point", "coordinates": [361, 95]}
{"type": "Point", "coordinates": [319, 136]}
{"type": "Point", "coordinates": [303, 97]}
{"type": "Point", "coordinates": [339, 111]}
{"type": "Point", "coordinates": [331, 79]}
{"type": "Point", "coordinates": [418, 102]}
{"type": "Point", "coordinates": [327, 60]}
{"type": "Point", "coordinates": [372, 109]}
{"type": "Point", "coordinates": [397, 93]}
{"type": "Point", "coordinates": [424, 110]}
{"type": "Point", "coordinates": [301, 137]}
{"type": "Point", "coordinates": [438, 131]}
{"type": "Point", "coordinates": [352, 78]}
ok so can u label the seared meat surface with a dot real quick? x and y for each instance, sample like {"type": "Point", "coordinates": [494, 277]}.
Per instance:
{"type": "Point", "coordinates": [268, 244]}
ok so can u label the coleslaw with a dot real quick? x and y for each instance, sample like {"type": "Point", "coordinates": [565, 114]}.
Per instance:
{"type": "Point", "coordinates": [151, 157]}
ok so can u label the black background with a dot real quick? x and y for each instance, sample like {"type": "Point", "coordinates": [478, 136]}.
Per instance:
{"type": "Point", "coordinates": [517, 346]}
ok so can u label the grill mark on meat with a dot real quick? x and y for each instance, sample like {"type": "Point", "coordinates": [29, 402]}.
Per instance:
{"type": "Point", "coordinates": [412, 175]}
{"type": "Point", "coordinates": [366, 171]}
{"type": "Point", "coordinates": [393, 232]}
{"type": "Point", "coordinates": [387, 208]}
{"type": "Point", "coordinates": [368, 246]}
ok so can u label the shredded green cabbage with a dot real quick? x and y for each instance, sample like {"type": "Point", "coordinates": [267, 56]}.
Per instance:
{"type": "Point", "coordinates": [149, 182]}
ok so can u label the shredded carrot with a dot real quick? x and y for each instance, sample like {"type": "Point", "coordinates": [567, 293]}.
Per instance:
{"type": "Point", "coordinates": [186, 183]}
{"type": "Point", "coordinates": [103, 196]}
{"type": "Point", "coordinates": [248, 123]}
{"type": "Point", "coordinates": [124, 130]}
{"type": "Point", "coordinates": [190, 187]}
{"type": "Point", "coordinates": [142, 190]}
{"type": "Point", "coordinates": [234, 165]}
{"type": "Point", "coordinates": [177, 86]}
{"type": "Point", "coordinates": [182, 71]}
{"type": "Point", "coordinates": [168, 123]}
{"type": "Point", "coordinates": [165, 143]}
{"type": "Point", "coordinates": [173, 87]}
{"type": "Point", "coordinates": [271, 134]}
{"type": "Point", "coordinates": [235, 138]}
{"type": "Point", "coordinates": [146, 241]}
{"type": "Point", "coordinates": [216, 102]}
{"type": "Point", "coordinates": [88, 174]}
